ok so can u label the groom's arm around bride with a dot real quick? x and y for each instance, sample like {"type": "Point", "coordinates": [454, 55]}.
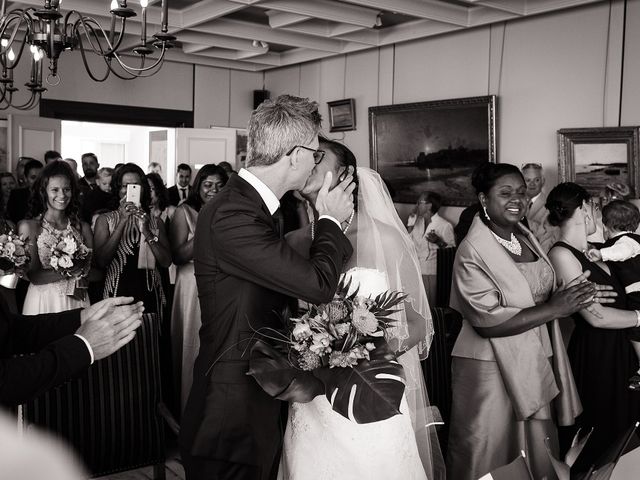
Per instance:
{"type": "Point", "coordinates": [245, 273]}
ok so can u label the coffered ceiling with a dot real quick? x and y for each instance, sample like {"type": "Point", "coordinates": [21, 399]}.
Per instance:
{"type": "Point", "coordinates": [256, 35]}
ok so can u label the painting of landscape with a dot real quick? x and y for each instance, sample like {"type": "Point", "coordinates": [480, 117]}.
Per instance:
{"type": "Point", "coordinates": [594, 157]}
{"type": "Point", "coordinates": [597, 164]}
{"type": "Point", "coordinates": [433, 146]}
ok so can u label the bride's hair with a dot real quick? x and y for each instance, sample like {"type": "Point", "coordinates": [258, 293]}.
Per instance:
{"type": "Point", "coordinates": [345, 158]}
{"type": "Point", "coordinates": [38, 202]}
{"type": "Point", "coordinates": [563, 200]}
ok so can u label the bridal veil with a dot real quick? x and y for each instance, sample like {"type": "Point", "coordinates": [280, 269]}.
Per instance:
{"type": "Point", "coordinates": [382, 243]}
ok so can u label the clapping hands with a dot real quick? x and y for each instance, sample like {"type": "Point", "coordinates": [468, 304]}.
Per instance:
{"type": "Point", "coordinates": [110, 324]}
{"type": "Point", "coordinates": [581, 294]}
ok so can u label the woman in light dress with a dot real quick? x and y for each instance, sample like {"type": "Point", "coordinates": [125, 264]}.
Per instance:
{"type": "Point", "coordinates": [54, 211]}
{"type": "Point", "coordinates": [320, 443]}
{"type": "Point", "coordinates": [185, 316]}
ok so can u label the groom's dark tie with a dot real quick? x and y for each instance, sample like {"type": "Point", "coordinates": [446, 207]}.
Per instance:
{"type": "Point", "coordinates": [278, 221]}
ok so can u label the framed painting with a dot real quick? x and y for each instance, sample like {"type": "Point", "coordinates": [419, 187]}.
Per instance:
{"type": "Point", "coordinates": [342, 115]}
{"type": "Point", "coordinates": [241, 148]}
{"type": "Point", "coordinates": [595, 157]}
{"type": "Point", "coordinates": [433, 146]}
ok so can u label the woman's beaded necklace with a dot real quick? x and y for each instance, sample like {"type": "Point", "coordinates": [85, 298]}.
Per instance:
{"type": "Point", "coordinates": [512, 245]}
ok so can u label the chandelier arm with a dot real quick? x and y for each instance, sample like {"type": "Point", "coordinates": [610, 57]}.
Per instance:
{"type": "Point", "coordinates": [29, 104]}
{"type": "Point", "coordinates": [119, 75]}
{"type": "Point", "coordinates": [88, 28]}
{"type": "Point", "coordinates": [19, 54]}
{"type": "Point", "coordinates": [14, 33]}
{"type": "Point", "coordinates": [87, 67]}
{"type": "Point", "coordinates": [133, 70]}
{"type": "Point", "coordinates": [88, 32]}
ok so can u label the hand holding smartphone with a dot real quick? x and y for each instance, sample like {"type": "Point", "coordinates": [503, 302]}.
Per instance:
{"type": "Point", "coordinates": [133, 194]}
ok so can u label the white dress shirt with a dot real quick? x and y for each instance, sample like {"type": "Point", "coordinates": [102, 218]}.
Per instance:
{"type": "Point", "coordinates": [88, 347]}
{"type": "Point", "coordinates": [268, 197]}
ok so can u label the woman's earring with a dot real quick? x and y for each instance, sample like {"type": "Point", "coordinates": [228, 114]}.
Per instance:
{"type": "Point", "coordinates": [485, 213]}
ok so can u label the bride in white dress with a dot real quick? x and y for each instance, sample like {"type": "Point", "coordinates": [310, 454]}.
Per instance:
{"type": "Point", "coordinates": [320, 443]}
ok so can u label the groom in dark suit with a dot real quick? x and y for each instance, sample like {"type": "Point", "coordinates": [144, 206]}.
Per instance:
{"type": "Point", "coordinates": [245, 274]}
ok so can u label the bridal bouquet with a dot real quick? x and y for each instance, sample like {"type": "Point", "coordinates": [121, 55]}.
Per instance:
{"type": "Point", "coordinates": [338, 349]}
{"type": "Point", "coordinates": [65, 254]}
{"type": "Point", "coordinates": [14, 255]}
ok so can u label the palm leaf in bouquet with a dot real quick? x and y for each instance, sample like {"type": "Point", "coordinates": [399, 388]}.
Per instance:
{"type": "Point", "coordinates": [277, 376]}
{"type": "Point", "coordinates": [368, 392]}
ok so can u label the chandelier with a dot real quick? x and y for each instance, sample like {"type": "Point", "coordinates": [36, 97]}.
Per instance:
{"type": "Point", "coordinates": [47, 33]}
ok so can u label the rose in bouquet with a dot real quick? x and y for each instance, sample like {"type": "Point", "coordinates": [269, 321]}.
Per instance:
{"type": "Point", "coordinates": [68, 256]}
{"type": "Point", "coordinates": [339, 349]}
{"type": "Point", "coordinates": [14, 253]}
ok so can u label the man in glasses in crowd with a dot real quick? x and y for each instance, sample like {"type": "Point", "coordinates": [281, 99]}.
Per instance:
{"type": "Point", "coordinates": [536, 210]}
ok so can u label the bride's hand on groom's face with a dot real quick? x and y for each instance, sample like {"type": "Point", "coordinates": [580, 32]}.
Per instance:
{"type": "Point", "coordinates": [337, 202]}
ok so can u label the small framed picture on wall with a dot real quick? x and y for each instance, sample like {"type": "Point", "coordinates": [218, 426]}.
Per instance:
{"type": "Point", "coordinates": [597, 157]}
{"type": "Point", "coordinates": [342, 115]}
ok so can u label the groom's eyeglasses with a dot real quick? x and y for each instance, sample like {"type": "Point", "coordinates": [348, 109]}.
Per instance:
{"type": "Point", "coordinates": [318, 155]}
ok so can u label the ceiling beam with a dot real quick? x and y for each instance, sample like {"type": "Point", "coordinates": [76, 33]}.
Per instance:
{"type": "Point", "coordinates": [322, 28]}
{"type": "Point", "coordinates": [252, 31]}
{"type": "Point", "coordinates": [178, 56]}
{"type": "Point", "coordinates": [207, 10]}
{"type": "Point", "coordinates": [486, 15]}
{"type": "Point", "coordinates": [542, 6]}
{"type": "Point", "coordinates": [427, 9]}
{"type": "Point", "coordinates": [271, 59]}
{"type": "Point", "coordinates": [414, 30]}
{"type": "Point", "coordinates": [333, 11]}
{"type": "Point", "coordinates": [284, 19]}
{"type": "Point", "coordinates": [220, 41]}
{"type": "Point", "coordinates": [368, 37]}
{"type": "Point", "coordinates": [518, 7]}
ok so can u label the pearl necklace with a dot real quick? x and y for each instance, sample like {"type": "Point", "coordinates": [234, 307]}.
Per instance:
{"type": "Point", "coordinates": [344, 230]}
{"type": "Point", "coordinates": [512, 245]}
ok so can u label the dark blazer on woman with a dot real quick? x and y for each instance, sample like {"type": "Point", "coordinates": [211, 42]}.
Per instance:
{"type": "Point", "coordinates": [245, 273]}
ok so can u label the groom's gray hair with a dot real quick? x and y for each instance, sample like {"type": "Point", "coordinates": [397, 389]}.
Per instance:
{"type": "Point", "coordinates": [277, 126]}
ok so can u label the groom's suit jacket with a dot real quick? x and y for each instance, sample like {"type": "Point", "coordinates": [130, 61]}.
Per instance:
{"type": "Point", "coordinates": [245, 273]}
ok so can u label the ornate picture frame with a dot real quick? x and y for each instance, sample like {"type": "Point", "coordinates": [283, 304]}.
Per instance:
{"type": "Point", "coordinates": [342, 115]}
{"type": "Point", "coordinates": [594, 157]}
{"type": "Point", "coordinates": [433, 146]}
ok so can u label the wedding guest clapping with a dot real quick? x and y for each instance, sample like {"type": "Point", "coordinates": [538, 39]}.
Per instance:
{"type": "Point", "coordinates": [511, 375]}
{"type": "Point", "coordinates": [59, 346]}
{"type": "Point", "coordinates": [185, 317]}
{"type": "Point", "coordinates": [130, 243]}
